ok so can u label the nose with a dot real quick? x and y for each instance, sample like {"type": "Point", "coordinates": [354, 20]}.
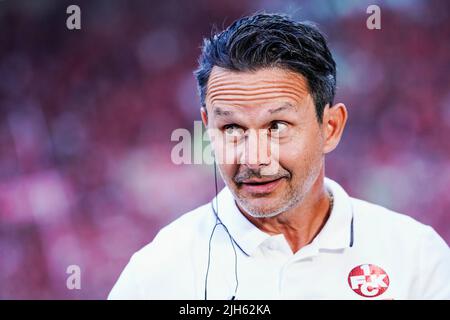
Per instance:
{"type": "Point", "coordinates": [257, 150]}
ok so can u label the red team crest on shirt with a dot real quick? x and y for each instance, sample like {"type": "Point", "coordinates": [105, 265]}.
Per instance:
{"type": "Point", "coordinates": [368, 280]}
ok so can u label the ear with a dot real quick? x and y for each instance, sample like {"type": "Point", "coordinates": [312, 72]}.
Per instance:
{"type": "Point", "coordinates": [334, 120]}
{"type": "Point", "coordinates": [204, 115]}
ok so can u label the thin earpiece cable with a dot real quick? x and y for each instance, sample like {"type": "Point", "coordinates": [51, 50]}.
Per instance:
{"type": "Point", "coordinates": [219, 222]}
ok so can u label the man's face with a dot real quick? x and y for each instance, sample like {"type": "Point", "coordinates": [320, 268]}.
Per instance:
{"type": "Point", "coordinates": [265, 121]}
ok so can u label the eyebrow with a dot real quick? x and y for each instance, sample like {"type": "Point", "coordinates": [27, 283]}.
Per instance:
{"type": "Point", "coordinates": [219, 112]}
{"type": "Point", "coordinates": [283, 107]}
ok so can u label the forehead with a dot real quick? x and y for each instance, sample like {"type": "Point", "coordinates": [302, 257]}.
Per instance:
{"type": "Point", "coordinates": [250, 88]}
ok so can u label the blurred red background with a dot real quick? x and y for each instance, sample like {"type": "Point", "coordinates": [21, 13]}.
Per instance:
{"type": "Point", "coordinates": [86, 118]}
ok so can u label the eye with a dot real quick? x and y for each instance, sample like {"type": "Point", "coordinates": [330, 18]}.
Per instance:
{"type": "Point", "coordinates": [277, 127]}
{"type": "Point", "coordinates": [233, 130]}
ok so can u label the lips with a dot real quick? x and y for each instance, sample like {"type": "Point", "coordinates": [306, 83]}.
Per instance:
{"type": "Point", "coordinates": [256, 182]}
{"type": "Point", "coordinates": [261, 185]}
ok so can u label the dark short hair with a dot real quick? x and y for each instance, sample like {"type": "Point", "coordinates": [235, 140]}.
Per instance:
{"type": "Point", "coordinates": [272, 40]}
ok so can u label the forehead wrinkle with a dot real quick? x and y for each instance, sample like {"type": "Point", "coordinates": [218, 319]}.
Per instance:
{"type": "Point", "coordinates": [243, 90]}
{"type": "Point", "coordinates": [249, 89]}
{"type": "Point", "coordinates": [229, 81]}
{"type": "Point", "coordinates": [289, 89]}
{"type": "Point", "coordinates": [257, 93]}
{"type": "Point", "coordinates": [254, 100]}
{"type": "Point", "coordinates": [226, 81]}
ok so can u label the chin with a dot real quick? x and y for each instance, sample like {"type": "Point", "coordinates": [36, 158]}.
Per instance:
{"type": "Point", "coordinates": [261, 208]}
{"type": "Point", "coordinates": [268, 207]}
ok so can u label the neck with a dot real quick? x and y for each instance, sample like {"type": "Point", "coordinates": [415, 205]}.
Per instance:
{"type": "Point", "coordinates": [302, 223]}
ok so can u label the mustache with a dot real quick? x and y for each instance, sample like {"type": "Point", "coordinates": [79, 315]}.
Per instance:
{"type": "Point", "coordinates": [249, 173]}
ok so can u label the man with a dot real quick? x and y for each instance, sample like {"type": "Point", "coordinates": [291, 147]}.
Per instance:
{"type": "Point", "coordinates": [280, 229]}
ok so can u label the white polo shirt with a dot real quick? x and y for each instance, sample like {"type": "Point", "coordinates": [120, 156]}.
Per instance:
{"type": "Point", "coordinates": [364, 251]}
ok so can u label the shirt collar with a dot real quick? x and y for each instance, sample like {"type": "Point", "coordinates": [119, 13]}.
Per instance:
{"type": "Point", "coordinates": [336, 234]}
{"type": "Point", "coordinates": [245, 234]}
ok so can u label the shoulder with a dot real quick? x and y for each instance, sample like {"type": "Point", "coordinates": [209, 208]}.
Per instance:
{"type": "Point", "coordinates": [166, 267]}
{"type": "Point", "coordinates": [375, 218]}
{"type": "Point", "coordinates": [379, 223]}
{"type": "Point", "coordinates": [175, 238]}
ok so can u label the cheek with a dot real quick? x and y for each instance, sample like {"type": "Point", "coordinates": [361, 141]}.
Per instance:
{"type": "Point", "coordinates": [228, 171]}
{"type": "Point", "coordinates": [300, 155]}
{"type": "Point", "coordinates": [290, 159]}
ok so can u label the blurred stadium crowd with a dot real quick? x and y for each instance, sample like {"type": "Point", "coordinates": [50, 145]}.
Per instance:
{"type": "Point", "coordinates": [86, 117]}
